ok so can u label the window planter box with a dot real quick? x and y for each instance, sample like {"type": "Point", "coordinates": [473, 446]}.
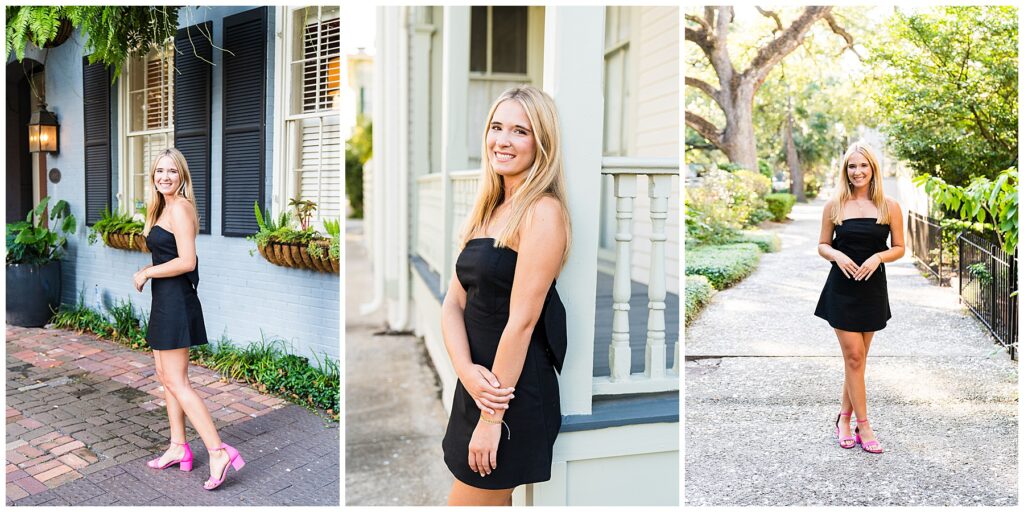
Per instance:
{"type": "Point", "coordinates": [298, 256]}
{"type": "Point", "coordinates": [126, 241]}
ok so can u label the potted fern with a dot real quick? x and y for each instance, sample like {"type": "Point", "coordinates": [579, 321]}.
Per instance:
{"type": "Point", "coordinates": [119, 230]}
{"type": "Point", "coordinates": [33, 263]}
{"type": "Point", "coordinates": [281, 244]}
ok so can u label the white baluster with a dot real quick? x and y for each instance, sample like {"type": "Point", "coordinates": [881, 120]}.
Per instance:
{"type": "Point", "coordinates": [619, 356]}
{"type": "Point", "coordinates": [658, 188]}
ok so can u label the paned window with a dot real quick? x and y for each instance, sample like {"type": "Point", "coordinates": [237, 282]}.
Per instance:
{"type": "Point", "coordinates": [149, 112]}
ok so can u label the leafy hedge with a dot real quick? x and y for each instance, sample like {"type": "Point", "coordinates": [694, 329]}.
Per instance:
{"type": "Point", "coordinates": [766, 241]}
{"type": "Point", "coordinates": [723, 265]}
{"type": "Point", "coordinates": [698, 293]}
{"type": "Point", "coordinates": [264, 364]}
{"type": "Point", "coordinates": [780, 204]}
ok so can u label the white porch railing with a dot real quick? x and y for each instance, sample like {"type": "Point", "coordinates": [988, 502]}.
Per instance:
{"type": "Point", "coordinates": [655, 376]}
{"type": "Point", "coordinates": [429, 236]}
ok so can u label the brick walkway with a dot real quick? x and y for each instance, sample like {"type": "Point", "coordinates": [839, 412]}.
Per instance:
{"type": "Point", "coordinates": [84, 415]}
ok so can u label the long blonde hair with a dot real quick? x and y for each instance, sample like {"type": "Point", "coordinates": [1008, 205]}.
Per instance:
{"type": "Point", "coordinates": [544, 178]}
{"type": "Point", "coordinates": [156, 203]}
{"type": "Point", "coordinates": [845, 188]}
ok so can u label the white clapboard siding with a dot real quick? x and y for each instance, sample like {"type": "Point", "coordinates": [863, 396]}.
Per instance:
{"type": "Point", "coordinates": [655, 46]}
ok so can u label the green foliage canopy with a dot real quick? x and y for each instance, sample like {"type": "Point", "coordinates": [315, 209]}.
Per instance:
{"type": "Point", "coordinates": [946, 87]}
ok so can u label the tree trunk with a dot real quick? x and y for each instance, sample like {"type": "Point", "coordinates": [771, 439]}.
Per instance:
{"type": "Point", "coordinates": [738, 142]}
{"type": "Point", "coordinates": [796, 173]}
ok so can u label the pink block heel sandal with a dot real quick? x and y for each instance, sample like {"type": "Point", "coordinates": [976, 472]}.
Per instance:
{"type": "Point", "coordinates": [234, 460]}
{"type": "Point", "coordinates": [845, 441]}
{"type": "Point", "coordinates": [185, 462]}
{"type": "Point", "coordinates": [872, 446]}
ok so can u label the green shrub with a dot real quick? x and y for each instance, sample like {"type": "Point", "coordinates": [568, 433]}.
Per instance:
{"type": "Point", "coordinates": [766, 241]}
{"type": "Point", "coordinates": [723, 265]}
{"type": "Point", "coordinates": [812, 185]}
{"type": "Point", "coordinates": [780, 204]}
{"type": "Point", "coordinates": [698, 295]}
{"type": "Point", "coordinates": [724, 202]}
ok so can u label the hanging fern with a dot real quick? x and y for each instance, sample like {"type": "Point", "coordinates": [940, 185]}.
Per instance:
{"type": "Point", "coordinates": [112, 33]}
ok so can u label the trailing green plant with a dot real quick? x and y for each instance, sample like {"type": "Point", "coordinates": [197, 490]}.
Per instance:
{"type": "Point", "coordinates": [333, 229]}
{"type": "Point", "coordinates": [266, 364]}
{"type": "Point", "coordinates": [112, 34]}
{"type": "Point", "coordinates": [698, 294]}
{"type": "Point", "coordinates": [723, 265]}
{"type": "Point", "coordinates": [982, 200]}
{"type": "Point", "coordinates": [115, 223]}
{"type": "Point", "coordinates": [30, 242]}
{"type": "Point", "coordinates": [780, 204]}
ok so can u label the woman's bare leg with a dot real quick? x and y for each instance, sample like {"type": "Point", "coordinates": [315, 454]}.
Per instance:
{"type": "Point", "coordinates": [847, 404]}
{"type": "Point", "coordinates": [462, 495]}
{"type": "Point", "coordinates": [175, 378]}
{"type": "Point", "coordinates": [175, 416]}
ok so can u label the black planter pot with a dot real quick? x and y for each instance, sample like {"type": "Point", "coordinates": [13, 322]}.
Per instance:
{"type": "Point", "coordinates": [32, 290]}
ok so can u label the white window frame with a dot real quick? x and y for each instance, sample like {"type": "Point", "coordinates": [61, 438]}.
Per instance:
{"type": "Point", "coordinates": [534, 47]}
{"type": "Point", "coordinates": [284, 182]}
{"type": "Point", "coordinates": [125, 195]}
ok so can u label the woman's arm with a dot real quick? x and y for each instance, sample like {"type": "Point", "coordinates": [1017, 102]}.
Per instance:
{"type": "Point", "coordinates": [183, 225]}
{"type": "Point", "coordinates": [479, 382]}
{"type": "Point", "coordinates": [891, 254]}
{"type": "Point", "coordinates": [541, 243]}
{"type": "Point", "coordinates": [825, 249]}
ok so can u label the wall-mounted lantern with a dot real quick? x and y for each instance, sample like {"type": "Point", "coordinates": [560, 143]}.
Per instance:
{"type": "Point", "coordinates": [42, 131]}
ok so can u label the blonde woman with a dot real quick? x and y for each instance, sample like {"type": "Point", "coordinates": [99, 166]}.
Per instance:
{"type": "Point", "coordinates": [854, 228]}
{"type": "Point", "coordinates": [176, 317]}
{"type": "Point", "coordinates": [502, 320]}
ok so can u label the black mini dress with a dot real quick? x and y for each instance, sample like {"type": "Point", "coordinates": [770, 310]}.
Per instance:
{"type": "Point", "coordinates": [848, 304]}
{"type": "Point", "coordinates": [175, 316]}
{"type": "Point", "coordinates": [534, 415]}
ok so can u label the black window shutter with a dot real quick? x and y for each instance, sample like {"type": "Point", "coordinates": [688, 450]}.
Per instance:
{"type": "Point", "coordinates": [244, 157]}
{"type": "Point", "coordinates": [192, 86]}
{"type": "Point", "coordinates": [96, 125]}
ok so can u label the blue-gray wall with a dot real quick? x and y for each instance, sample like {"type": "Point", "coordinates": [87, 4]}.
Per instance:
{"type": "Point", "coordinates": [242, 295]}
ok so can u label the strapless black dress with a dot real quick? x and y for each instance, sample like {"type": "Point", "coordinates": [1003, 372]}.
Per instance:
{"type": "Point", "coordinates": [534, 415]}
{"type": "Point", "coordinates": [847, 304]}
{"type": "Point", "coordinates": [175, 316]}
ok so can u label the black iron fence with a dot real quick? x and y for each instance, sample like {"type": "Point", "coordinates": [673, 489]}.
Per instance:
{"type": "Point", "coordinates": [988, 280]}
{"type": "Point", "coordinates": [927, 247]}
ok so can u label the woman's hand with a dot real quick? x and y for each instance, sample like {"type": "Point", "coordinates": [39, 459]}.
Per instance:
{"type": "Point", "coordinates": [485, 389]}
{"type": "Point", "coordinates": [140, 278]}
{"type": "Point", "coordinates": [483, 447]}
{"type": "Point", "coordinates": [867, 268]}
{"type": "Point", "coordinates": [846, 265]}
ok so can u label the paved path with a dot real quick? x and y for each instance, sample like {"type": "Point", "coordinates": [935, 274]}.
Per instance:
{"type": "Point", "coordinates": [84, 415]}
{"type": "Point", "coordinates": [394, 418]}
{"type": "Point", "coordinates": [763, 378]}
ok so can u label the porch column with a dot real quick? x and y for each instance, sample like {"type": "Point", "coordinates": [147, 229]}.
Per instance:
{"type": "Point", "coordinates": [573, 69]}
{"type": "Point", "coordinates": [454, 91]}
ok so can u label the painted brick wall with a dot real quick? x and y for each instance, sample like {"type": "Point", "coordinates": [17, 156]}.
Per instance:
{"type": "Point", "coordinates": [242, 295]}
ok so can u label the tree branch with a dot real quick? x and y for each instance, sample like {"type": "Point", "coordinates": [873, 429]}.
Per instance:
{"type": "Point", "coordinates": [770, 54]}
{"type": "Point", "coordinates": [704, 87]}
{"type": "Point", "coordinates": [704, 128]}
{"type": "Point", "coordinates": [832, 24]}
{"type": "Point", "coordinates": [700, 21]}
{"type": "Point", "coordinates": [773, 15]}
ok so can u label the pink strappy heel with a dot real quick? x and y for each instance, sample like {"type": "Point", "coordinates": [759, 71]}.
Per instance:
{"type": "Point", "coordinates": [234, 460]}
{"type": "Point", "coordinates": [843, 440]}
{"type": "Point", "coordinates": [875, 446]}
{"type": "Point", "coordinates": [185, 461]}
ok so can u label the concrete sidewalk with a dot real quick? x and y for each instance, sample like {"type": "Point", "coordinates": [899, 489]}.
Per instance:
{"type": "Point", "coordinates": [84, 415]}
{"type": "Point", "coordinates": [763, 378]}
{"type": "Point", "coordinates": [394, 418]}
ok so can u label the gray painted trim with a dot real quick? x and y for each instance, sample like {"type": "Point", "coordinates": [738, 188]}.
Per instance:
{"type": "Point", "coordinates": [620, 410]}
{"type": "Point", "coordinates": [606, 411]}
